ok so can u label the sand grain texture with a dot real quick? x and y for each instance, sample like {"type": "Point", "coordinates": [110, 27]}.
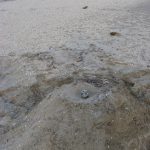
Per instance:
{"type": "Point", "coordinates": [52, 50]}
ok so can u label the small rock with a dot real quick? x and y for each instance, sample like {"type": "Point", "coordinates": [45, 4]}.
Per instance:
{"type": "Point", "coordinates": [84, 94]}
{"type": "Point", "coordinates": [114, 33]}
{"type": "Point", "coordinates": [85, 7]}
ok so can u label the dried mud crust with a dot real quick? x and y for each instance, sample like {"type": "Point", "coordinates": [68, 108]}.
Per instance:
{"type": "Point", "coordinates": [49, 113]}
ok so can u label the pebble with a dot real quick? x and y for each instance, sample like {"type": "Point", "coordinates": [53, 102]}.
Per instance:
{"type": "Point", "coordinates": [84, 94]}
{"type": "Point", "coordinates": [114, 33]}
{"type": "Point", "coordinates": [85, 7]}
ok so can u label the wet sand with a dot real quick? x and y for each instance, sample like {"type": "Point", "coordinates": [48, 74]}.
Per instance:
{"type": "Point", "coordinates": [51, 51]}
{"type": "Point", "coordinates": [36, 25]}
{"type": "Point", "coordinates": [144, 6]}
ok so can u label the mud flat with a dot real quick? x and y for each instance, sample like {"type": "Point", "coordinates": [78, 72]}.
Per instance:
{"type": "Point", "coordinates": [47, 60]}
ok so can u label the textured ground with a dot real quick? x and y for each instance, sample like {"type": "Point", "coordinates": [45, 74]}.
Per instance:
{"type": "Point", "coordinates": [50, 51]}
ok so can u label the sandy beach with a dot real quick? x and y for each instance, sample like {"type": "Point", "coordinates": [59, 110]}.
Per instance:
{"type": "Point", "coordinates": [37, 25]}
{"type": "Point", "coordinates": [51, 51]}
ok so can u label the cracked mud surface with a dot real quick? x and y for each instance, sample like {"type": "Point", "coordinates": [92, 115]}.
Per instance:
{"type": "Point", "coordinates": [105, 51]}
